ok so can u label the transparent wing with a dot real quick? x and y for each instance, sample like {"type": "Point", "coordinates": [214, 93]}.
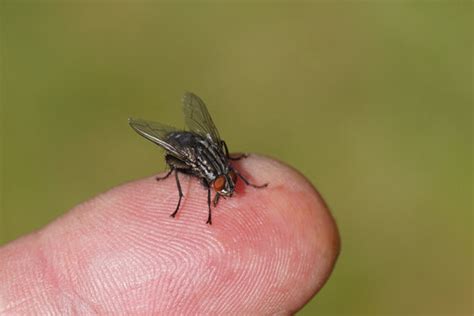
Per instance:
{"type": "Point", "coordinates": [198, 118]}
{"type": "Point", "coordinates": [155, 132]}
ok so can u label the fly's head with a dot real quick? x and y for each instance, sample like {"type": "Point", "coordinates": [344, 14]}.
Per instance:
{"type": "Point", "coordinates": [225, 183]}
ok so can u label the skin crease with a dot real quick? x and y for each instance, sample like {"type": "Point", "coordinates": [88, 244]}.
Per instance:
{"type": "Point", "coordinates": [268, 250]}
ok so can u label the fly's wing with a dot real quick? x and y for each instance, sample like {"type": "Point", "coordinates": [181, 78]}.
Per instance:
{"type": "Point", "coordinates": [198, 118]}
{"type": "Point", "coordinates": [156, 133]}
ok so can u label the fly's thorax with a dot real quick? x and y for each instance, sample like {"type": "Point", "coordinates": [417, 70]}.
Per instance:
{"type": "Point", "coordinates": [210, 159]}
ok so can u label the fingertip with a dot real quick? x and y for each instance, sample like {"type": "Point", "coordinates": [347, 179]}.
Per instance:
{"type": "Point", "coordinates": [283, 231]}
{"type": "Point", "coordinates": [288, 222]}
{"type": "Point", "coordinates": [123, 244]}
{"type": "Point", "coordinates": [264, 239]}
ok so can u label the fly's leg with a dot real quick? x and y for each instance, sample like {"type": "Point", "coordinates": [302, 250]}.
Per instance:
{"type": "Point", "coordinates": [180, 194]}
{"type": "Point", "coordinates": [226, 150]}
{"type": "Point", "coordinates": [165, 176]}
{"type": "Point", "coordinates": [224, 145]}
{"type": "Point", "coordinates": [238, 157]}
{"type": "Point", "coordinates": [216, 199]}
{"type": "Point", "coordinates": [248, 183]}
{"type": "Point", "coordinates": [209, 218]}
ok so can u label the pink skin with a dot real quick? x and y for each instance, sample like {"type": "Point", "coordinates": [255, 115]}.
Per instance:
{"type": "Point", "coordinates": [268, 251]}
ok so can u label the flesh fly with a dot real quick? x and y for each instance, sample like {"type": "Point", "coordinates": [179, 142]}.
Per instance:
{"type": "Point", "coordinates": [198, 151]}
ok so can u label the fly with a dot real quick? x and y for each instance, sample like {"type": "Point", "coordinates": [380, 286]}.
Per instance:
{"type": "Point", "coordinates": [199, 152]}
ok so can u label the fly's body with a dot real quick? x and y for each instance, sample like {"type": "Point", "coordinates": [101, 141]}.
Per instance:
{"type": "Point", "coordinates": [198, 152]}
{"type": "Point", "coordinates": [204, 158]}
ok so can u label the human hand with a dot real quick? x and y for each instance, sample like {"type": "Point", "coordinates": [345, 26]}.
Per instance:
{"type": "Point", "coordinates": [268, 251]}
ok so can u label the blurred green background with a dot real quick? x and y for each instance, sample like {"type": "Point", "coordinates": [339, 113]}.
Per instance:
{"type": "Point", "coordinates": [371, 100]}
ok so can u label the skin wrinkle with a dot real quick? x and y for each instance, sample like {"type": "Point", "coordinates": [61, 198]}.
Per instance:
{"type": "Point", "coordinates": [80, 259]}
{"type": "Point", "coordinates": [66, 284]}
{"type": "Point", "coordinates": [181, 246]}
{"type": "Point", "coordinates": [13, 287]}
{"type": "Point", "coordinates": [49, 275]}
{"type": "Point", "coordinates": [122, 253]}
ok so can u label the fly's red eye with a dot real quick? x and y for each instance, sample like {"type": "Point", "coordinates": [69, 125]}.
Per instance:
{"type": "Point", "coordinates": [219, 183]}
{"type": "Point", "coordinates": [233, 176]}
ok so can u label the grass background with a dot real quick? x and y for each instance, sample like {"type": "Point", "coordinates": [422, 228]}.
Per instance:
{"type": "Point", "coordinates": [371, 100]}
